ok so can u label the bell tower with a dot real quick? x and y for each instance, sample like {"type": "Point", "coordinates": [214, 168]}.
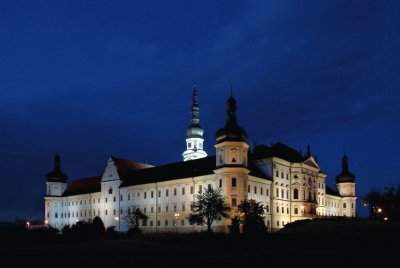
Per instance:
{"type": "Point", "coordinates": [194, 133]}
{"type": "Point", "coordinates": [346, 185]}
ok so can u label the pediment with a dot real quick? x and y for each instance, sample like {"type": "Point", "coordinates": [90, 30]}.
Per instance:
{"type": "Point", "coordinates": [311, 163]}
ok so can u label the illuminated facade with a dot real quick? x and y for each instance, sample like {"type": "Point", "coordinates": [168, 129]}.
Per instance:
{"type": "Point", "coordinates": [291, 186]}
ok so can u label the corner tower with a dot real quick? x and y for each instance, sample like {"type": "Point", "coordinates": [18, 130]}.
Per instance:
{"type": "Point", "coordinates": [56, 180]}
{"type": "Point", "coordinates": [194, 133]}
{"type": "Point", "coordinates": [346, 185]}
{"type": "Point", "coordinates": [231, 159]}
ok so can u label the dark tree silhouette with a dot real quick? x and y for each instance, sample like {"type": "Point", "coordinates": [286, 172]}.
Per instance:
{"type": "Point", "coordinates": [208, 207]}
{"type": "Point", "coordinates": [133, 219]}
{"type": "Point", "coordinates": [98, 228]}
{"type": "Point", "coordinates": [384, 205]}
{"type": "Point", "coordinates": [252, 217]}
{"type": "Point", "coordinates": [234, 228]}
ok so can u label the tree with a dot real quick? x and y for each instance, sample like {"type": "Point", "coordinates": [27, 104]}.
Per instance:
{"type": "Point", "coordinates": [133, 219]}
{"type": "Point", "coordinates": [208, 207]}
{"type": "Point", "coordinates": [252, 216]}
{"type": "Point", "coordinates": [384, 205]}
{"type": "Point", "coordinates": [98, 228]}
{"type": "Point", "coordinates": [234, 228]}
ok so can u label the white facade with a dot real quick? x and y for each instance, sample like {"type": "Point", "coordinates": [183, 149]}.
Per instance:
{"type": "Point", "coordinates": [289, 190]}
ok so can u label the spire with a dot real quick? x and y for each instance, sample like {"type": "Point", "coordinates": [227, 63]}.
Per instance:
{"type": "Point", "coordinates": [345, 175]}
{"type": "Point", "coordinates": [57, 162]}
{"type": "Point", "coordinates": [56, 175]}
{"type": "Point", "coordinates": [308, 150]}
{"type": "Point", "coordinates": [232, 131]}
{"type": "Point", "coordinates": [345, 164]}
{"type": "Point", "coordinates": [195, 107]}
{"type": "Point", "coordinates": [194, 133]}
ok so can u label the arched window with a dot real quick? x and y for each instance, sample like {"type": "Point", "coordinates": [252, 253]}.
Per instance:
{"type": "Point", "coordinates": [295, 194]}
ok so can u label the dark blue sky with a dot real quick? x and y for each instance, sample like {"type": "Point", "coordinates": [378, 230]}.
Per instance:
{"type": "Point", "coordinates": [90, 79]}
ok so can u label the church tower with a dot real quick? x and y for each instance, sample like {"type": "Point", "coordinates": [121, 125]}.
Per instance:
{"type": "Point", "coordinates": [231, 158]}
{"type": "Point", "coordinates": [346, 185]}
{"type": "Point", "coordinates": [194, 134]}
{"type": "Point", "coordinates": [56, 180]}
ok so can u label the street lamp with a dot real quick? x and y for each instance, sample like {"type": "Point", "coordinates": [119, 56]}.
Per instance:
{"type": "Point", "coordinates": [116, 222]}
{"type": "Point", "coordinates": [27, 224]}
{"type": "Point", "coordinates": [176, 221]}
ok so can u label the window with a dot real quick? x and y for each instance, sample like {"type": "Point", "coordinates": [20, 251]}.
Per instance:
{"type": "Point", "coordinates": [129, 196]}
{"type": "Point", "coordinates": [287, 176]}
{"type": "Point", "coordinates": [159, 193]}
{"type": "Point", "coordinates": [233, 203]}
{"type": "Point", "coordinates": [151, 210]}
{"type": "Point", "coordinates": [200, 189]}
{"type": "Point", "coordinates": [277, 192]}
{"type": "Point", "coordinates": [144, 210]}
{"type": "Point", "coordinates": [56, 215]}
{"type": "Point", "coordinates": [282, 174]}
{"type": "Point", "coordinates": [106, 199]}
{"type": "Point", "coordinates": [151, 223]}
{"type": "Point", "coordinates": [183, 207]}
{"type": "Point", "coordinates": [120, 198]}
{"type": "Point", "coordinates": [282, 193]}
{"type": "Point", "coordinates": [175, 208]}
{"type": "Point", "coordinates": [138, 195]}
{"type": "Point", "coordinates": [277, 223]}
{"type": "Point", "coordinates": [287, 210]}
{"type": "Point", "coordinates": [114, 199]}
{"type": "Point", "coordinates": [295, 194]}
{"type": "Point", "coordinates": [220, 183]}
{"type": "Point", "coordinates": [352, 205]}
{"type": "Point", "coordinates": [261, 191]}
{"type": "Point", "coordinates": [106, 212]}
{"type": "Point", "coordinates": [182, 222]}
{"type": "Point", "coordinates": [174, 191]}
{"type": "Point", "coordinates": [166, 222]}
{"type": "Point", "coordinates": [144, 222]}
{"type": "Point", "coordinates": [166, 208]}
{"type": "Point", "coordinates": [209, 186]}
{"type": "Point", "coordinates": [159, 209]}
{"type": "Point", "coordinates": [248, 188]}
{"type": "Point", "coordinates": [344, 205]}
{"type": "Point", "coordinates": [267, 208]}
{"type": "Point", "coordinates": [151, 194]}
{"type": "Point", "coordinates": [158, 223]}
{"type": "Point", "coordinates": [145, 195]}
{"type": "Point", "coordinates": [287, 194]}
{"type": "Point", "coordinates": [110, 191]}
{"type": "Point", "coordinates": [277, 173]}
{"type": "Point", "coordinates": [277, 209]}
{"type": "Point", "coordinates": [283, 210]}
{"type": "Point", "coordinates": [114, 212]}
{"type": "Point", "coordinates": [191, 189]}
{"type": "Point", "coordinates": [189, 144]}
{"type": "Point", "coordinates": [120, 212]}
{"type": "Point", "coordinates": [233, 182]}
{"type": "Point", "coordinates": [267, 191]}
{"type": "Point", "coordinates": [183, 190]}
{"type": "Point", "coordinates": [166, 192]}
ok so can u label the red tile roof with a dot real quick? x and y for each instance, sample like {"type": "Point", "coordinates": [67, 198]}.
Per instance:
{"type": "Point", "coordinates": [84, 186]}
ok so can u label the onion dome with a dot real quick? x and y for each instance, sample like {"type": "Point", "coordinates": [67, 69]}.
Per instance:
{"type": "Point", "coordinates": [231, 131]}
{"type": "Point", "coordinates": [345, 175]}
{"type": "Point", "coordinates": [195, 130]}
{"type": "Point", "coordinates": [56, 175]}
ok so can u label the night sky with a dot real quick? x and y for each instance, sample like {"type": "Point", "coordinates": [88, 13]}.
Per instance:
{"type": "Point", "coordinates": [91, 79]}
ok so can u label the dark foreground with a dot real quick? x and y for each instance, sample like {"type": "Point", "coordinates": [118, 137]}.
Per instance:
{"type": "Point", "coordinates": [308, 244]}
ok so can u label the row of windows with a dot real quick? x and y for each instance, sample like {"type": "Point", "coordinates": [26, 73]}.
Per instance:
{"type": "Point", "coordinates": [255, 190]}
{"type": "Point", "coordinates": [166, 223]}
